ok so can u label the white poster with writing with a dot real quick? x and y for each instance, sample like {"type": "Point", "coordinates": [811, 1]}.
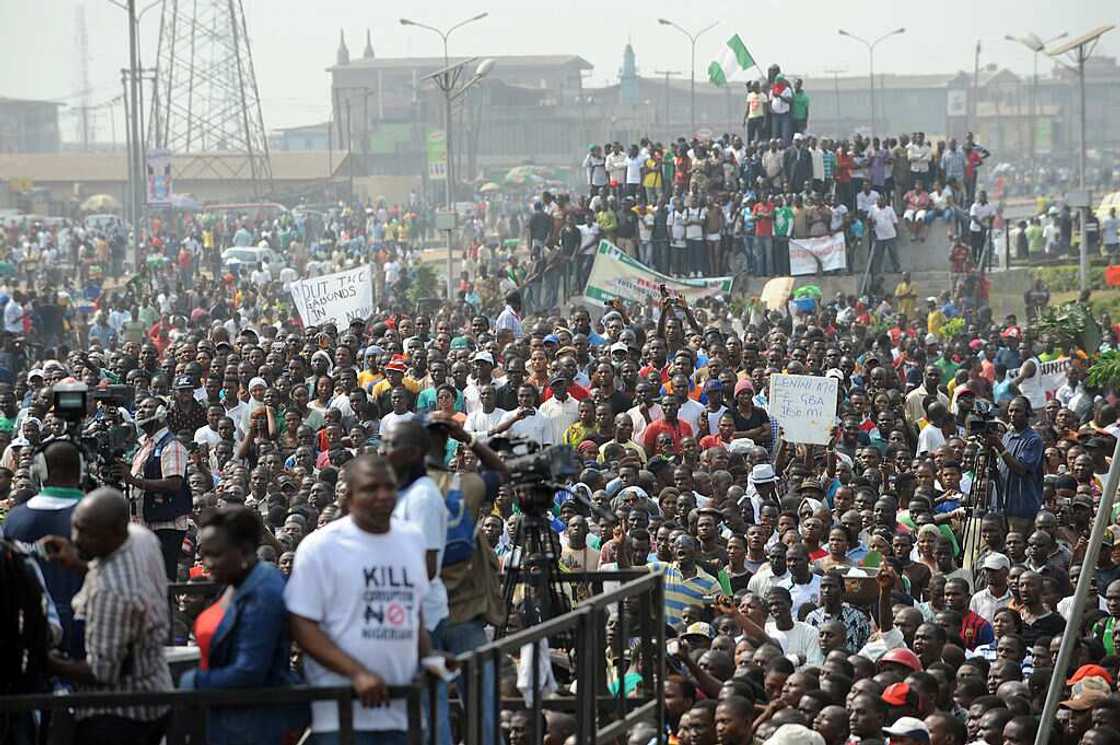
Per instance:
{"type": "Point", "coordinates": [817, 255]}
{"type": "Point", "coordinates": [805, 407]}
{"type": "Point", "coordinates": [339, 298]}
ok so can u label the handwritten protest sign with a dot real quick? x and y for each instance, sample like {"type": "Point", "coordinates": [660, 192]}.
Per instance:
{"type": "Point", "coordinates": [805, 407]}
{"type": "Point", "coordinates": [339, 298]}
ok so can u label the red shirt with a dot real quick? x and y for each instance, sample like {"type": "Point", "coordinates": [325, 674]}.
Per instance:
{"type": "Point", "coordinates": [649, 437]}
{"type": "Point", "coordinates": [763, 219]}
{"type": "Point", "coordinates": [205, 626]}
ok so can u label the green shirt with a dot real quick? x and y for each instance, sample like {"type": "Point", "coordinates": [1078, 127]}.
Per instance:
{"type": "Point", "coordinates": [799, 107]}
{"type": "Point", "coordinates": [783, 221]}
{"type": "Point", "coordinates": [1034, 238]}
{"type": "Point", "coordinates": [948, 368]}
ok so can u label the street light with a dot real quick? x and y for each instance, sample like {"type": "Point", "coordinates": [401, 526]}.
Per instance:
{"type": "Point", "coordinates": [871, 62]}
{"type": "Point", "coordinates": [692, 37]}
{"type": "Point", "coordinates": [1031, 41]}
{"type": "Point", "coordinates": [447, 81]}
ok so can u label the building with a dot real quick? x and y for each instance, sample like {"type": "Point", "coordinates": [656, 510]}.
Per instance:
{"type": "Point", "coordinates": [28, 126]}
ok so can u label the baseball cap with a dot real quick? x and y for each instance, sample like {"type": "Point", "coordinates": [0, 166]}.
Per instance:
{"type": "Point", "coordinates": [763, 473]}
{"type": "Point", "coordinates": [995, 560]}
{"type": "Point", "coordinates": [551, 339]}
{"type": "Point", "coordinates": [699, 628]}
{"type": "Point", "coordinates": [1084, 700]}
{"type": "Point", "coordinates": [898, 694]}
{"type": "Point", "coordinates": [911, 727]}
{"type": "Point", "coordinates": [558, 378]}
{"type": "Point", "coordinates": [1090, 671]}
{"type": "Point", "coordinates": [36, 373]}
{"type": "Point", "coordinates": [461, 342]}
{"type": "Point", "coordinates": [483, 357]}
{"type": "Point", "coordinates": [184, 382]}
{"type": "Point", "coordinates": [1096, 443]}
{"type": "Point", "coordinates": [811, 483]}
{"type": "Point", "coordinates": [620, 346]}
{"type": "Point", "coordinates": [1082, 500]}
{"type": "Point", "coordinates": [794, 734]}
{"type": "Point", "coordinates": [931, 339]}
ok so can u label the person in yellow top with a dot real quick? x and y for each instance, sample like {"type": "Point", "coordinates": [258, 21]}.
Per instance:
{"type": "Point", "coordinates": [651, 176]}
{"type": "Point", "coordinates": [905, 295]}
{"type": "Point", "coordinates": [394, 377]}
{"type": "Point", "coordinates": [371, 375]}
{"type": "Point", "coordinates": [935, 319]}
{"type": "Point", "coordinates": [584, 427]}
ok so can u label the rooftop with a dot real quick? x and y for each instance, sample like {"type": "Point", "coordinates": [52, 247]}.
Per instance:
{"type": "Point", "coordinates": [518, 60]}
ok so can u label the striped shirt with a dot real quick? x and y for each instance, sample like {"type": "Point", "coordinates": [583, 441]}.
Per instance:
{"type": "Point", "coordinates": [829, 163]}
{"type": "Point", "coordinates": [681, 592]}
{"type": "Point", "coordinates": [124, 603]}
{"type": "Point", "coordinates": [172, 462]}
{"type": "Point", "coordinates": [509, 319]}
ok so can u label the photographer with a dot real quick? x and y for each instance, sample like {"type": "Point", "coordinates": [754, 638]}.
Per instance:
{"type": "Point", "coordinates": [158, 478]}
{"type": "Point", "coordinates": [1020, 466]}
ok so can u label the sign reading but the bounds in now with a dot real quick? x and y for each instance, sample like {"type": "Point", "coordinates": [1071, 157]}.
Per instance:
{"type": "Point", "coordinates": [339, 298]}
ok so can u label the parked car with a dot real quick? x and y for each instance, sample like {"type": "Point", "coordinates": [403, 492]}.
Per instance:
{"type": "Point", "coordinates": [246, 260]}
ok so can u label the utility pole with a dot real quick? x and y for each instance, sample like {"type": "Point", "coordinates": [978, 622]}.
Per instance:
{"type": "Point", "coordinates": [83, 75]}
{"type": "Point", "coordinates": [974, 109]}
{"type": "Point", "coordinates": [835, 73]}
{"type": "Point", "coordinates": [667, 74]}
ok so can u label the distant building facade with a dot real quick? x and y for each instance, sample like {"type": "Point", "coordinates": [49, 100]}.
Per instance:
{"type": "Point", "coordinates": [28, 126]}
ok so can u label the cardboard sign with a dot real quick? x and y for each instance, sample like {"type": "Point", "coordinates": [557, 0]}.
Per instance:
{"type": "Point", "coordinates": [339, 298]}
{"type": "Point", "coordinates": [805, 407]}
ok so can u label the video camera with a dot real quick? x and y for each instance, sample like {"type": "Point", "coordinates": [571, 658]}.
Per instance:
{"type": "Point", "coordinates": [982, 421]}
{"type": "Point", "coordinates": [104, 441]}
{"type": "Point", "coordinates": [535, 473]}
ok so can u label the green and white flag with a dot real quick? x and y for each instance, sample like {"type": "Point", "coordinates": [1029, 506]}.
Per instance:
{"type": "Point", "coordinates": [735, 58]}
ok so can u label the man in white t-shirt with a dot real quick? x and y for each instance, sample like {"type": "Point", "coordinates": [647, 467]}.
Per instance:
{"type": "Point", "coordinates": [795, 637]}
{"type": "Point", "coordinates": [885, 221]}
{"type": "Point", "coordinates": [355, 596]}
{"type": "Point", "coordinates": [634, 162]}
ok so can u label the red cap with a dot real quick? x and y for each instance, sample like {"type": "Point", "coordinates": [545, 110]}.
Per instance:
{"type": "Point", "coordinates": [902, 656]}
{"type": "Point", "coordinates": [1090, 671]}
{"type": "Point", "coordinates": [397, 364]}
{"type": "Point", "coordinates": [896, 694]}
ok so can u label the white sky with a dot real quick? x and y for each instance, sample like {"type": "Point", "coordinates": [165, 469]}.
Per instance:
{"type": "Point", "coordinates": [293, 42]}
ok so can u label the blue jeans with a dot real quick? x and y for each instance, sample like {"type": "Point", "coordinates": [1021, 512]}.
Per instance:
{"type": "Point", "coordinates": [459, 638]}
{"type": "Point", "coordinates": [762, 264]}
{"type": "Point", "coordinates": [381, 737]}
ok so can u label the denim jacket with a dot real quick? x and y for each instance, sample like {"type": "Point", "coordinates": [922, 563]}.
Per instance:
{"type": "Point", "coordinates": [250, 649]}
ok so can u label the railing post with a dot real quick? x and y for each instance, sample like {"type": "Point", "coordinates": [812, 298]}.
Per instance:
{"type": "Point", "coordinates": [346, 718]}
{"type": "Point", "coordinates": [415, 720]}
{"type": "Point", "coordinates": [470, 692]}
{"type": "Point", "coordinates": [585, 694]}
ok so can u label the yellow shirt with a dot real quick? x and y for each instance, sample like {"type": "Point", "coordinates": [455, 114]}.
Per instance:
{"type": "Point", "coordinates": [934, 321]}
{"type": "Point", "coordinates": [652, 180]}
{"type": "Point", "coordinates": [904, 293]}
{"type": "Point", "coordinates": [383, 386]}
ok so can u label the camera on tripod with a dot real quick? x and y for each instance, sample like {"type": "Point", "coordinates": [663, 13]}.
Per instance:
{"type": "Point", "coordinates": [535, 473]}
{"type": "Point", "coordinates": [104, 441]}
{"type": "Point", "coordinates": [982, 421]}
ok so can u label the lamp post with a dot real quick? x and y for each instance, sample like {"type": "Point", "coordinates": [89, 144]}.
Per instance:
{"type": "Point", "coordinates": [871, 63]}
{"type": "Point", "coordinates": [446, 63]}
{"type": "Point", "coordinates": [692, 37]}
{"type": "Point", "coordinates": [1032, 42]}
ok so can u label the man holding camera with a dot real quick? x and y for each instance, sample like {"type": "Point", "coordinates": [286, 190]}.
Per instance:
{"type": "Point", "coordinates": [158, 478]}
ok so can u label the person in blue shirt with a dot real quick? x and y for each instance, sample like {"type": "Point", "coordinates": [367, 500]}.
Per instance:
{"type": "Point", "coordinates": [1020, 453]}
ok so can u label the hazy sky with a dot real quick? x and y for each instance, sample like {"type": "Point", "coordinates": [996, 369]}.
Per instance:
{"type": "Point", "coordinates": [293, 42]}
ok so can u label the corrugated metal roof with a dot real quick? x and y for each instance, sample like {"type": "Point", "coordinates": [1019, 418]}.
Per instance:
{"type": "Point", "coordinates": [528, 60]}
{"type": "Point", "coordinates": [68, 167]}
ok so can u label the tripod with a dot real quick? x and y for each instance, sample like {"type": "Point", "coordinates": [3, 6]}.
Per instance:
{"type": "Point", "coordinates": [984, 497]}
{"type": "Point", "coordinates": [535, 571]}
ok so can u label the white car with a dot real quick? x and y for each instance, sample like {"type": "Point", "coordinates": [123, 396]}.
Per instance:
{"type": "Point", "coordinates": [247, 259]}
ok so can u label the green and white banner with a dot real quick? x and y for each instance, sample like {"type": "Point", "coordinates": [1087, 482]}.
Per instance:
{"type": "Point", "coordinates": [617, 275]}
{"type": "Point", "coordinates": [734, 60]}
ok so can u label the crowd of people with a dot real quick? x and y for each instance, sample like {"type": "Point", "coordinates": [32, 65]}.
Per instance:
{"type": "Point", "coordinates": [694, 208]}
{"type": "Point", "coordinates": [909, 582]}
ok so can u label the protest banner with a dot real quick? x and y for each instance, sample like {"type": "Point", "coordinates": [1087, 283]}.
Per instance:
{"type": "Point", "coordinates": [813, 255]}
{"type": "Point", "coordinates": [339, 298]}
{"type": "Point", "coordinates": [617, 275]}
{"type": "Point", "coordinates": [1045, 383]}
{"type": "Point", "coordinates": [805, 407]}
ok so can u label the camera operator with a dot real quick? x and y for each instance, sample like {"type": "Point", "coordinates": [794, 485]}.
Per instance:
{"type": "Point", "coordinates": [158, 477]}
{"type": "Point", "coordinates": [1020, 466]}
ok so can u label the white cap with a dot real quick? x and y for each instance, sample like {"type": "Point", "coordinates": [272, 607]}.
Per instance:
{"type": "Point", "coordinates": [995, 560]}
{"type": "Point", "coordinates": [763, 473]}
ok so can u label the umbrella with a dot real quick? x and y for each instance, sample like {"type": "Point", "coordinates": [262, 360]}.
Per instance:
{"type": "Point", "coordinates": [489, 186]}
{"type": "Point", "coordinates": [101, 203]}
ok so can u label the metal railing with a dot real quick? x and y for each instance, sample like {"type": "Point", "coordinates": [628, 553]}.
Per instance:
{"type": "Point", "coordinates": [598, 717]}
{"type": "Point", "coordinates": [187, 706]}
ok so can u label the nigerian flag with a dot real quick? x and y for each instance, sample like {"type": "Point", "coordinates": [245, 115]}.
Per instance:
{"type": "Point", "coordinates": [735, 58]}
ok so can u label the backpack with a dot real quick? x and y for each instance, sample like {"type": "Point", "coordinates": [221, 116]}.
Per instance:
{"type": "Point", "coordinates": [460, 524]}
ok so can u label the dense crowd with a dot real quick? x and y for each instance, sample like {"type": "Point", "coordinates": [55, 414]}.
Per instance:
{"type": "Point", "coordinates": [909, 582]}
